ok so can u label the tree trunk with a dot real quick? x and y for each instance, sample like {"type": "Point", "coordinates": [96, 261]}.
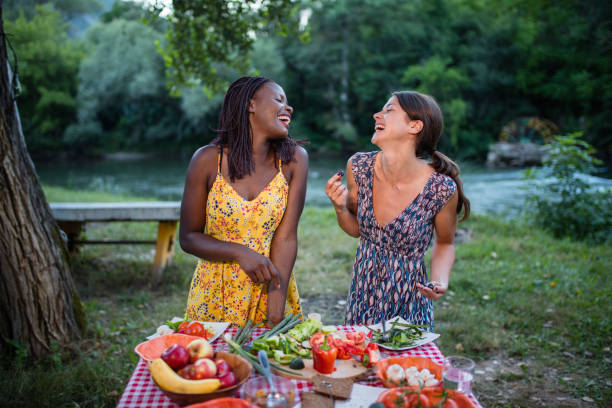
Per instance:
{"type": "Point", "coordinates": [38, 301]}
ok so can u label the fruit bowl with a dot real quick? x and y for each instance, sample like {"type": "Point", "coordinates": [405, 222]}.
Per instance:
{"type": "Point", "coordinates": [406, 362]}
{"type": "Point", "coordinates": [152, 349]}
{"type": "Point", "coordinates": [241, 368]}
{"type": "Point", "coordinates": [406, 397]}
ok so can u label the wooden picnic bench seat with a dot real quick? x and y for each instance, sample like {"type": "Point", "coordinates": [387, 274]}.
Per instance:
{"type": "Point", "coordinates": [71, 218]}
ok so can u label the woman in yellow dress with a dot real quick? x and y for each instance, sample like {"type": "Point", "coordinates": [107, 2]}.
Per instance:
{"type": "Point", "coordinates": [243, 197]}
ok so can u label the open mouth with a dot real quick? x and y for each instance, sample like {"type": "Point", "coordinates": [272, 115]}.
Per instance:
{"type": "Point", "coordinates": [286, 119]}
{"type": "Point", "coordinates": [379, 127]}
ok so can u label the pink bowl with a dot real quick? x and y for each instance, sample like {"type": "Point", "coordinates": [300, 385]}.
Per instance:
{"type": "Point", "coordinates": [152, 349]}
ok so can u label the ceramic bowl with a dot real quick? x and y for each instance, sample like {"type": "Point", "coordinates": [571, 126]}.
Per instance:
{"type": "Point", "coordinates": [406, 362]}
{"type": "Point", "coordinates": [406, 397]}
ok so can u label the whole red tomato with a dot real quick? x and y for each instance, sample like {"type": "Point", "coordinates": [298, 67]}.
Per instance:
{"type": "Point", "coordinates": [195, 329]}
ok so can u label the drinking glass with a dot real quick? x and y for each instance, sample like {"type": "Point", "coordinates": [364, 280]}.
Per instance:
{"type": "Point", "coordinates": [458, 373]}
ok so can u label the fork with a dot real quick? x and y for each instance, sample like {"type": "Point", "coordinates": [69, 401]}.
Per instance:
{"type": "Point", "coordinates": [385, 338]}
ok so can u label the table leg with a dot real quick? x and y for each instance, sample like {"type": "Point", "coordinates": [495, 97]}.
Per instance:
{"type": "Point", "coordinates": [166, 233]}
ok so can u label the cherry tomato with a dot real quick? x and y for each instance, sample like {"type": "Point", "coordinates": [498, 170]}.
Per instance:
{"type": "Point", "coordinates": [195, 329]}
{"type": "Point", "coordinates": [182, 327]}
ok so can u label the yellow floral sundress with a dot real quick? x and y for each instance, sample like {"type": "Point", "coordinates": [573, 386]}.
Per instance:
{"type": "Point", "coordinates": [222, 291]}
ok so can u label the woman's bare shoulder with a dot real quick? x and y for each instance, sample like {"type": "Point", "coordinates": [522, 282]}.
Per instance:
{"type": "Point", "coordinates": [205, 159]}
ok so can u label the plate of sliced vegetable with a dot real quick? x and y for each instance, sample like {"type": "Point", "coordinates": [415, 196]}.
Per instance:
{"type": "Point", "coordinates": [207, 330]}
{"type": "Point", "coordinates": [401, 335]}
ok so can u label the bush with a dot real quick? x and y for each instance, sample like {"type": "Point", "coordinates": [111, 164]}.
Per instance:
{"type": "Point", "coordinates": [564, 202]}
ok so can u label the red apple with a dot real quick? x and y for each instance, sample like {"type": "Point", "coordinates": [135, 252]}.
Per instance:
{"type": "Point", "coordinates": [199, 348]}
{"type": "Point", "coordinates": [204, 368]}
{"type": "Point", "coordinates": [176, 356]}
{"type": "Point", "coordinates": [187, 372]}
{"type": "Point", "coordinates": [228, 380]}
{"type": "Point", "coordinates": [222, 367]}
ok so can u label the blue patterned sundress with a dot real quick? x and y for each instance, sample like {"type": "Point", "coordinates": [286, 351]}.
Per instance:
{"type": "Point", "coordinates": [390, 259]}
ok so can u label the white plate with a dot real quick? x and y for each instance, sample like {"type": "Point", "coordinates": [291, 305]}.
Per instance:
{"type": "Point", "coordinates": [215, 327]}
{"type": "Point", "coordinates": [427, 337]}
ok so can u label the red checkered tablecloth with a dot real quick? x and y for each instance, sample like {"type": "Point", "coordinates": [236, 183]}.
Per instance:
{"type": "Point", "coordinates": [141, 391]}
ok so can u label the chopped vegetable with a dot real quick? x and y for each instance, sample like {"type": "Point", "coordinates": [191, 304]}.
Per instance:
{"type": "Point", "coordinates": [305, 329]}
{"type": "Point", "coordinates": [400, 335]}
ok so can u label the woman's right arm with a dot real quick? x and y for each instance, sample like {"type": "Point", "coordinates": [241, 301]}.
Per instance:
{"type": "Point", "coordinates": [344, 199]}
{"type": "Point", "coordinates": [192, 238]}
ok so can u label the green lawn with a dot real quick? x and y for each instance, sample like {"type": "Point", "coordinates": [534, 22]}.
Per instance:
{"type": "Point", "coordinates": [518, 298]}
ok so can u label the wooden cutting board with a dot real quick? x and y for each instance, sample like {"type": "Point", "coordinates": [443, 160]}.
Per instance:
{"type": "Point", "coordinates": [343, 369]}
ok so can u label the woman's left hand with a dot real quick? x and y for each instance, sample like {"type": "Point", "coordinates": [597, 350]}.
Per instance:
{"type": "Point", "coordinates": [434, 293]}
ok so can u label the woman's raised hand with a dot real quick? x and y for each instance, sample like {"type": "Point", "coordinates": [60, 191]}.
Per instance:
{"type": "Point", "coordinates": [258, 267]}
{"type": "Point", "coordinates": [434, 291]}
{"type": "Point", "coordinates": [336, 191]}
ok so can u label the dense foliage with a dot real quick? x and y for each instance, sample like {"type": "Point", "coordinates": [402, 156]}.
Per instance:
{"type": "Point", "coordinates": [566, 205]}
{"type": "Point", "coordinates": [487, 63]}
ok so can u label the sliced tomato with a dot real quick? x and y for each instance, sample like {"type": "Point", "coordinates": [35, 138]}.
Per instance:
{"type": "Point", "coordinates": [195, 329]}
{"type": "Point", "coordinates": [343, 353]}
{"type": "Point", "coordinates": [207, 335]}
{"type": "Point", "coordinates": [356, 337]}
{"type": "Point", "coordinates": [450, 403]}
{"type": "Point", "coordinates": [183, 327]}
{"type": "Point", "coordinates": [317, 338]}
{"type": "Point", "coordinates": [338, 342]}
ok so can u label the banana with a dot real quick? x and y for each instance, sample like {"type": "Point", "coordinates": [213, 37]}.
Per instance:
{"type": "Point", "coordinates": [167, 379]}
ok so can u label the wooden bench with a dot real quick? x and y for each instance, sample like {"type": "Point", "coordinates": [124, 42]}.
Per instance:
{"type": "Point", "coordinates": [71, 218]}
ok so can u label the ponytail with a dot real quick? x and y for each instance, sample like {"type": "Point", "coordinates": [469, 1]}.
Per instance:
{"type": "Point", "coordinates": [442, 164]}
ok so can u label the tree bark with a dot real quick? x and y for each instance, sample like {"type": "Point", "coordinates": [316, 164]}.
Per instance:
{"type": "Point", "coordinates": [38, 300]}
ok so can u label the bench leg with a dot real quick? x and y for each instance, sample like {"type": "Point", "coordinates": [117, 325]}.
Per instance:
{"type": "Point", "coordinates": [166, 233]}
{"type": "Point", "coordinates": [73, 232]}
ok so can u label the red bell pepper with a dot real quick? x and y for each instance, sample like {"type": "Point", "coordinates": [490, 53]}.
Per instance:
{"type": "Point", "coordinates": [343, 353]}
{"type": "Point", "coordinates": [324, 356]}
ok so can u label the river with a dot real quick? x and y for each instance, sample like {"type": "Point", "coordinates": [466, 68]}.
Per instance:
{"type": "Point", "coordinates": [499, 192]}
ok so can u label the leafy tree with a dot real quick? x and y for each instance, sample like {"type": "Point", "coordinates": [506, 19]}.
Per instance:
{"type": "Point", "coordinates": [566, 65]}
{"type": "Point", "coordinates": [203, 34]}
{"type": "Point", "coordinates": [48, 62]}
{"type": "Point", "coordinates": [122, 94]}
{"type": "Point", "coordinates": [437, 77]}
{"type": "Point", "coordinates": [67, 8]}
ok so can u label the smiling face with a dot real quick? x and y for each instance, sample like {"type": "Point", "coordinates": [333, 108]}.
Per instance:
{"type": "Point", "coordinates": [269, 112]}
{"type": "Point", "coordinates": [392, 123]}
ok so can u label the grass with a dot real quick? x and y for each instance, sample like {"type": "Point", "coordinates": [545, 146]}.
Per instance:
{"type": "Point", "coordinates": [539, 306]}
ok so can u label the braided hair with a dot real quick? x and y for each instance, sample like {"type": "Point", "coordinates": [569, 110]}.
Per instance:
{"type": "Point", "coordinates": [235, 133]}
{"type": "Point", "coordinates": [424, 108]}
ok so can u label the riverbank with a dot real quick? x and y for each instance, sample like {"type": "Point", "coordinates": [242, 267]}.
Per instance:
{"type": "Point", "coordinates": [533, 311]}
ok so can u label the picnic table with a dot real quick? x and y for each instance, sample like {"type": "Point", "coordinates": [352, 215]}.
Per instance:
{"type": "Point", "coordinates": [141, 391]}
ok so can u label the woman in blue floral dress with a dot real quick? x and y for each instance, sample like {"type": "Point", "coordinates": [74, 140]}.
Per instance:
{"type": "Point", "coordinates": [397, 204]}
